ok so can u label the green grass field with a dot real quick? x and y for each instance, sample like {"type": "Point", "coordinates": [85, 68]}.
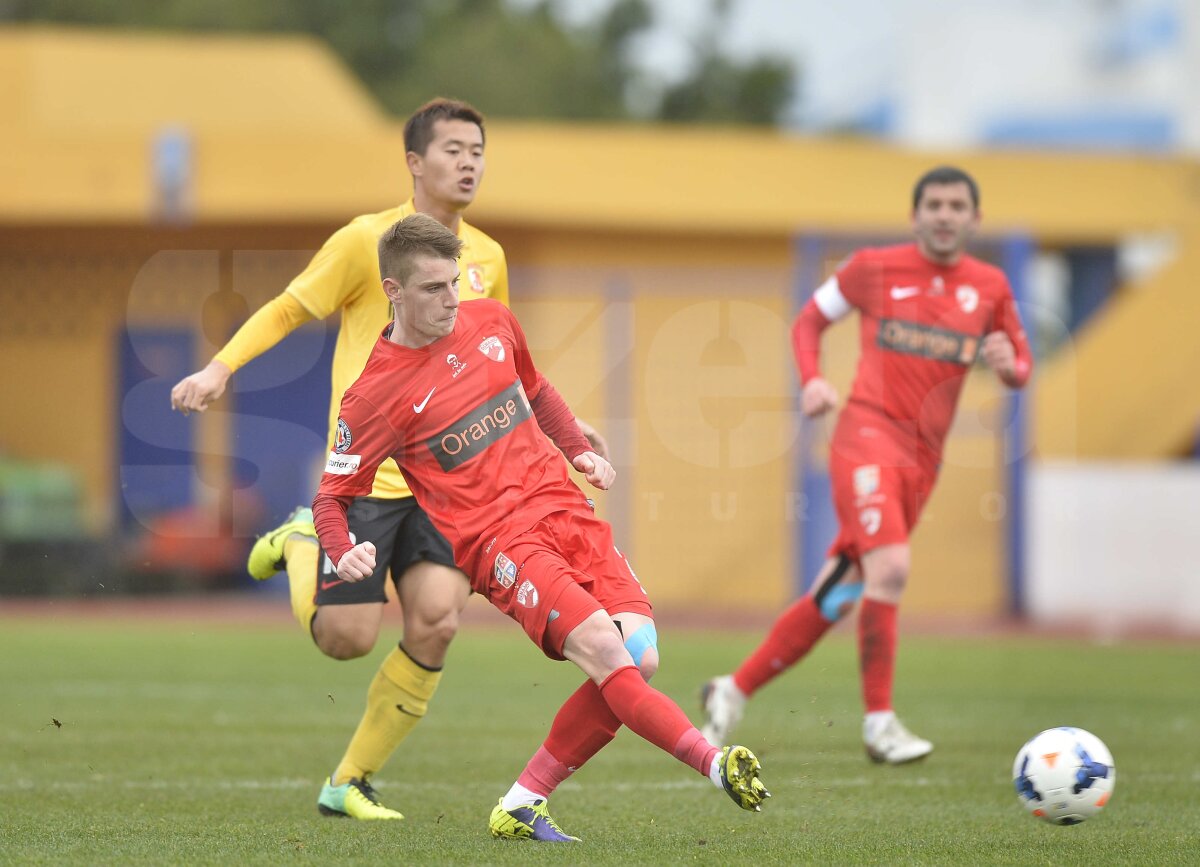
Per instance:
{"type": "Point", "coordinates": [195, 743]}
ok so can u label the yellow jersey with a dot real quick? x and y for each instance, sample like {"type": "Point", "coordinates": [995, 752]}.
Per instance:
{"type": "Point", "coordinates": [344, 275]}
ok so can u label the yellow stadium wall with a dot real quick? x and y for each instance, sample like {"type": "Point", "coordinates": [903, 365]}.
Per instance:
{"type": "Point", "coordinates": [673, 345]}
{"type": "Point", "coordinates": [709, 507]}
{"type": "Point", "coordinates": [65, 295]}
{"type": "Point", "coordinates": [676, 348]}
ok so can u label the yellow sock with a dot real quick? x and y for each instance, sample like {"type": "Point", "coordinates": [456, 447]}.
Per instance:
{"type": "Point", "coordinates": [301, 556]}
{"type": "Point", "coordinates": [398, 698]}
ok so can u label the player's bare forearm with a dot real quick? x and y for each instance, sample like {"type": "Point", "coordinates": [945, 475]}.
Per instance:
{"type": "Point", "coordinates": [194, 393]}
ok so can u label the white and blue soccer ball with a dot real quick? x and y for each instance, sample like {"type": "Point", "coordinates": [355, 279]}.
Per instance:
{"type": "Point", "coordinates": [1064, 775]}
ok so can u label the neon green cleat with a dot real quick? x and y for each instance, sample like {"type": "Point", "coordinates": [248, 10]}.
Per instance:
{"type": "Point", "coordinates": [356, 799]}
{"type": "Point", "coordinates": [739, 775]}
{"type": "Point", "coordinates": [527, 822]}
{"type": "Point", "coordinates": [266, 557]}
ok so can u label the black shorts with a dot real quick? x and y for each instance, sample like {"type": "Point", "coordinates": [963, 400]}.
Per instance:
{"type": "Point", "coordinates": [403, 535]}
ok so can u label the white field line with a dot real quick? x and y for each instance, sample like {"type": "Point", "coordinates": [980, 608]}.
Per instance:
{"type": "Point", "coordinates": [293, 783]}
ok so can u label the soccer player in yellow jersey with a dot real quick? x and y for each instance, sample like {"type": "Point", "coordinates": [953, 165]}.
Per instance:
{"type": "Point", "coordinates": [444, 144]}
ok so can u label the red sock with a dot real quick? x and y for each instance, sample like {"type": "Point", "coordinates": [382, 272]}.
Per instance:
{"type": "Point", "coordinates": [877, 652]}
{"type": "Point", "coordinates": [795, 632]}
{"type": "Point", "coordinates": [651, 715]}
{"type": "Point", "coordinates": [581, 728]}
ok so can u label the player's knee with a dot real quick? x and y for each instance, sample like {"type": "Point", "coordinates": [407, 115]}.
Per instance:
{"type": "Point", "coordinates": [649, 665]}
{"type": "Point", "coordinates": [345, 646]}
{"type": "Point", "coordinates": [885, 570]}
{"type": "Point", "coordinates": [643, 647]}
{"type": "Point", "coordinates": [839, 601]}
{"type": "Point", "coordinates": [435, 630]}
{"type": "Point", "coordinates": [891, 579]}
{"type": "Point", "coordinates": [342, 640]}
{"type": "Point", "coordinates": [836, 595]}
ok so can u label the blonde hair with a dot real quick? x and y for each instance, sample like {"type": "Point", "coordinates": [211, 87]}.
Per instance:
{"type": "Point", "coordinates": [415, 235]}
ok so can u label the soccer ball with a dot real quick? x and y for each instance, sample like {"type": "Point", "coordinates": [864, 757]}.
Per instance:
{"type": "Point", "coordinates": [1064, 775]}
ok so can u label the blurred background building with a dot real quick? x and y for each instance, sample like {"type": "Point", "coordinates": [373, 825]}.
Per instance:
{"type": "Point", "coordinates": [669, 180]}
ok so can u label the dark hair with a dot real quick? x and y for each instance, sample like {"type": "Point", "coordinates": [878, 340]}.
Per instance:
{"type": "Point", "coordinates": [945, 175]}
{"type": "Point", "coordinates": [415, 235]}
{"type": "Point", "coordinates": [418, 129]}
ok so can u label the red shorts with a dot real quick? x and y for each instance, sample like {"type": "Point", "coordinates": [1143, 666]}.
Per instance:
{"type": "Point", "coordinates": [558, 573]}
{"type": "Point", "coordinates": [880, 482]}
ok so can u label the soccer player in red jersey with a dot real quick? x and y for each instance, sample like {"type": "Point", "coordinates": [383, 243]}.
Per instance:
{"type": "Point", "coordinates": [451, 393]}
{"type": "Point", "coordinates": [927, 310]}
{"type": "Point", "coordinates": [444, 149]}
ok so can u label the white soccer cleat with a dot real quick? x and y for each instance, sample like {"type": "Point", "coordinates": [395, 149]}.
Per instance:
{"type": "Point", "coordinates": [723, 706]}
{"type": "Point", "coordinates": [895, 744]}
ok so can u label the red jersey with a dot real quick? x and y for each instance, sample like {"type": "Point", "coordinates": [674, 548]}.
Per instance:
{"type": "Point", "coordinates": [922, 324]}
{"type": "Point", "coordinates": [437, 410]}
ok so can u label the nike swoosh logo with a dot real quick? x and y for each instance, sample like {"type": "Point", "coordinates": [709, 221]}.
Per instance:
{"type": "Point", "coordinates": [417, 407]}
{"type": "Point", "coordinates": [325, 585]}
{"type": "Point", "coordinates": [899, 293]}
{"type": "Point", "coordinates": [405, 710]}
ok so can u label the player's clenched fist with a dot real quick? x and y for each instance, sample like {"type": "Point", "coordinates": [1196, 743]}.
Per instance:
{"type": "Point", "coordinates": [357, 563]}
{"type": "Point", "coordinates": [599, 472]}
{"type": "Point", "coordinates": [999, 354]}
{"type": "Point", "coordinates": [818, 397]}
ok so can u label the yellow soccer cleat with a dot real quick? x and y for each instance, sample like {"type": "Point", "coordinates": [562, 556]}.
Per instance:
{"type": "Point", "coordinates": [527, 822]}
{"type": "Point", "coordinates": [739, 776]}
{"type": "Point", "coordinates": [266, 557]}
{"type": "Point", "coordinates": [356, 799]}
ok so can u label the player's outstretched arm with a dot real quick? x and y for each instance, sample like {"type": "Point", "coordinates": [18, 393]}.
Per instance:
{"type": "Point", "coordinates": [196, 392]}
{"type": "Point", "coordinates": [598, 472]}
{"type": "Point", "coordinates": [272, 322]}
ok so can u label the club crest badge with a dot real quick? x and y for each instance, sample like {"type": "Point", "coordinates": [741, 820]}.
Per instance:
{"type": "Point", "coordinates": [492, 348]}
{"type": "Point", "coordinates": [527, 595]}
{"type": "Point", "coordinates": [342, 440]}
{"type": "Point", "coordinates": [475, 279]}
{"type": "Point", "coordinates": [866, 480]}
{"type": "Point", "coordinates": [505, 571]}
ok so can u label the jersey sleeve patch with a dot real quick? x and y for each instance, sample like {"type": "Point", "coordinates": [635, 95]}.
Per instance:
{"type": "Point", "coordinates": [342, 465]}
{"type": "Point", "coordinates": [830, 300]}
{"type": "Point", "coordinates": [343, 438]}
